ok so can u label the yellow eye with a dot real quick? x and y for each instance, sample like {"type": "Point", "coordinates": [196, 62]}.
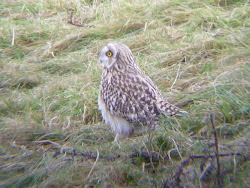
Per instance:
{"type": "Point", "coordinates": [109, 53]}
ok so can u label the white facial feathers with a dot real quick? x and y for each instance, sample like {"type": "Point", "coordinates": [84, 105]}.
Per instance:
{"type": "Point", "coordinates": [108, 55]}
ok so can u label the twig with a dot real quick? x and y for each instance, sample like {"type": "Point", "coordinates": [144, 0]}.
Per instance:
{"type": "Point", "coordinates": [176, 177]}
{"type": "Point", "coordinates": [44, 109]}
{"type": "Point", "coordinates": [210, 156]}
{"type": "Point", "coordinates": [176, 148]}
{"type": "Point", "coordinates": [235, 165]}
{"type": "Point", "coordinates": [72, 23]}
{"type": "Point", "coordinates": [150, 153]}
{"type": "Point", "coordinates": [13, 37]}
{"type": "Point", "coordinates": [169, 156]}
{"type": "Point", "coordinates": [177, 76]}
{"type": "Point", "coordinates": [50, 122]}
{"type": "Point", "coordinates": [90, 155]}
{"type": "Point", "coordinates": [217, 150]}
{"type": "Point", "coordinates": [245, 45]}
{"type": "Point", "coordinates": [150, 148]}
{"type": "Point", "coordinates": [97, 157]}
{"type": "Point", "coordinates": [48, 142]}
{"type": "Point", "coordinates": [84, 116]}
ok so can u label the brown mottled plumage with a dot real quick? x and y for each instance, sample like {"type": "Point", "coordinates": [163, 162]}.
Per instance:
{"type": "Point", "coordinates": [128, 99]}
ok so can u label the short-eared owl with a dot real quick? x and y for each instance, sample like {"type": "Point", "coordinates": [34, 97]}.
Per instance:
{"type": "Point", "coordinates": [128, 99]}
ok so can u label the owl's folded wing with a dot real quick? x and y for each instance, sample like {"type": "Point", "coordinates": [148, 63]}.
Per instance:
{"type": "Point", "coordinates": [131, 98]}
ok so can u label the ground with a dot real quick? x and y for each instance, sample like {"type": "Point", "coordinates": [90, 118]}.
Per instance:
{"type": "Point", "coordinates": [52, 134]}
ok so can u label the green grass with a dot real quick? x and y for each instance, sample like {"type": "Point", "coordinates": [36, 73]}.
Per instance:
{"type": "Point", "coordinates": [52, 134]}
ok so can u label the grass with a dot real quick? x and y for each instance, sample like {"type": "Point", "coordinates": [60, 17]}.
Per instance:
{"type": "Point", "coordinates": [52, 134]}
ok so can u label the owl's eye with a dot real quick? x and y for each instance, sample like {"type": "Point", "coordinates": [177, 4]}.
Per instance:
{"type": "Point", "coordinates": [109, 53]}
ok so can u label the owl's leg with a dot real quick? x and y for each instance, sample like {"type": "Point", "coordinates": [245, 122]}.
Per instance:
{"type": "Point", "coordinates": [116, 141]}
{"type": "Point", "coordinates": [120, 136]}
{"type": "Point", "coordinates": [121, 127]}
{"type": "Point", "coordinates": [139, 129]}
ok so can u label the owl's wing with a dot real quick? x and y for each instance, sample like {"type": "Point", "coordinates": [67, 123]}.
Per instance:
{"type": "Point", "coordinates": [131, 97]}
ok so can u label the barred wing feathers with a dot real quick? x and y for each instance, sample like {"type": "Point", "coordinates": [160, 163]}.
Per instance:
{"type": "Point", "coordinates": [135, 98]}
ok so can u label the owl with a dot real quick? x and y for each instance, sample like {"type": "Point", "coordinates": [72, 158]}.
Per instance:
{"type": "Point", "coordinates": [128, 99]}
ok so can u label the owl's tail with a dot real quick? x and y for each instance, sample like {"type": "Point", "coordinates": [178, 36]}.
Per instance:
{"type": "Point", "coordinates": [170, 110]}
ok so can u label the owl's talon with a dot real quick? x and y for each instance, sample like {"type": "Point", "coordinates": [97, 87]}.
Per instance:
{"type": "Point", "coordinates": [116, 143]}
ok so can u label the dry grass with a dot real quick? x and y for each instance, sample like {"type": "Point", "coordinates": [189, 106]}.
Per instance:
{"type": "Point", "coordinates": [51, 130]}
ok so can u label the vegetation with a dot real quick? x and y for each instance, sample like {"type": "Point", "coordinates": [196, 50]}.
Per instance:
{"type": "Point", "coordinates": [52, 134]}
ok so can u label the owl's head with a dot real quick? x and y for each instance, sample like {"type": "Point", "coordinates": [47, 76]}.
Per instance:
{"type": "Point", "coordinates": [114, 53]}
